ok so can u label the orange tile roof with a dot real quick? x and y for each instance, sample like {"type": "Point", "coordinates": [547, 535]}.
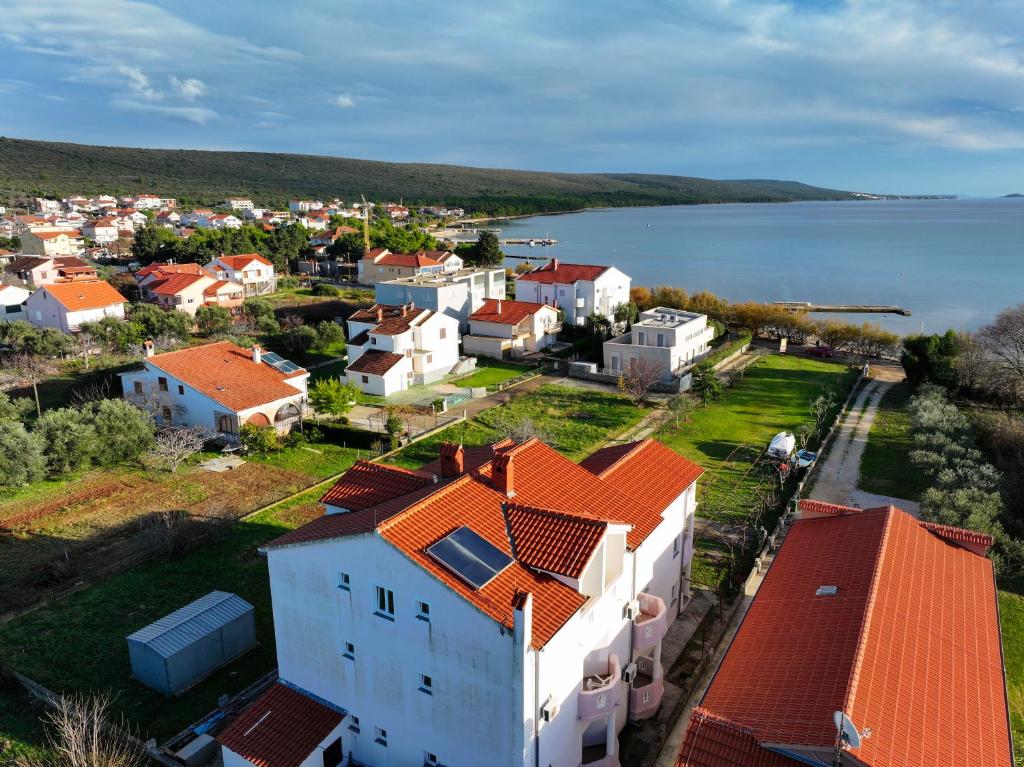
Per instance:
{"type": "Point", "coordinates": [170, 269]}
{"type": "Point", "coordinates": [821, 507]}
{"type": "Point", "coordinates": [227, 374]}
{"type": "Point", "coordinates": [175, 283]}
{"type": "Point", "coordinates": [281, 728]}
{"type": "Point", "coordinates": [909, 646]}
{"type": "Point", "coordinates": [503, 312]}
{"type": "Point", "coordinates": [243, 260]}
{"type": "Point", "coordinates": [564, 274]}
{"type": "Point", "coordinates": [80, 295]}
{"type": "Point", "coordinates": [715, 742]}
{"type": "Point", "coordinates": [395, 318]}
{"type": "Point", "coordinates": [552, 541]}
{"type": "Point", "coordinates": [417, 260]}
{"type": "Point", "coordinates": [374, 362]}
{"type": "Point", "coordinates": [473, 457]}
{"type": "Point", "coordinates": [73, 234]}
{"type": "Point", "coordinates": [368, 484]}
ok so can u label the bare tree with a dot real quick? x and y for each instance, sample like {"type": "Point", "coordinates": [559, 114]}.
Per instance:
{"type": "Point", "coordinates": [32, 367]}
{"type": "Point", "coordinates": [680, 408]}
{"type": "Point", "coordinates": [522, 429]}
{"type": "Point", "coordinates": [176, 444]}
{"type": "Point", "coordinates": [1003, 340]}
{"type": "Point", "coordinates": [637, 379]}
{"type": "Point", "coordinates": [84, 733]}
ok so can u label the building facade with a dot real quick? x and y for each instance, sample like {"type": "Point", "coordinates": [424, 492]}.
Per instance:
{"type": "Point", "coordinates": [668, 338]}
{"type": "Point", "coordinates": [250, 270]}
{"type": "Point", "coordinates": [578, 290]}
{"type": "Point", "coordinates": [66, 305]}
{"type": "Point", "coordinates": [455, 293]}
{"type": "Point", "coordinates": [501, 329]}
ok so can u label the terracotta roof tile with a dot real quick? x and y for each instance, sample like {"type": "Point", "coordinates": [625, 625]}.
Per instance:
{"type": "Point", "coordinates": [564, 274]}
{"type": "Point", "coordinates": [473, 457]}
{"type": "Point", "coordinates": [167, 269]}
{"type": "Point", "coordinates": [821, 507]}
{"type": "Point", "coordinates": [909, 646]}
{"type": "Point", "coordinates": [552, 541]}
{"type": "Point", "coordinates": [281, 728]}
{"type": "Point", "coordinates": [511, 312]}
{"type": "Point", "coordinates": [715, 742]}
{"type": "Point", "coordinates": [242, 260]}
{"type": "Point", "coordinates": [374, 363]}
{"type": "Point", "coordinates": [84, 294]}
{"type": "Point", "coordinates": [394, 318]}
{"type": "Point", "coordinates": [227, 374]}
{"type": "Point", "coordinates": [368, 484]}
{"type": "Point", "coordinates": [175, 283]}
{"type": "Point", "coordinates": [416, 260]}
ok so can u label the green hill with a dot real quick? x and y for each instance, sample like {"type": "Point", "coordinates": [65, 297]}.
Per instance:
{"type": "Point", "coordinates": [42, 168]}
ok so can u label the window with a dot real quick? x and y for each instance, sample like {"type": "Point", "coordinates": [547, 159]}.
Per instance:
{"type": "Point", "coordinates": [385, 602]}
{"type": "Point", "coordinates": [373, 341]}
{"type": "Point", "coordinates": [675, 593]}
{"type": "Point", "coordinates": [366, 380]}
{"type": "Point", "coordinates": [332, 754]}
{"type": "Point", "coordinates": [350, 651]}
{"type": "Point", "coordinates": [138, 387]}
{"type": "Point", "coordinates": [381, 736]}
{"type": "Point", "coordinates": [426, 684]}
{"type": "Point", "coordinates": [165, 414]}
{"type": "Point", "coordinates": [423, 611]}
{"type": "Point", "coordinates": [675, 545]}
{"type": "Point", "coordinates": [344, 582]}
{"type": "Point", "coordinates": [162, 382]}
{"type": "Point", "coordinates": [443, 333]}
{"type": "Point", "coordinates": [354, 724]}
{"type": "Point", "coordinates": [429, 759]}
{"type": "Point", "coordinates": [181, 390]}
{"type": "Point", "coordinates": [430, 358]}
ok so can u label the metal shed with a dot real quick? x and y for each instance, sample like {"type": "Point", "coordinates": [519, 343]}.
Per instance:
{"type": "Point", "coordinates": [181, 649]}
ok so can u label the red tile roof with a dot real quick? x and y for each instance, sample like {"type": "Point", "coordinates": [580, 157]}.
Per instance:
{"type": "Point", "coordinates": [215, 287]}
{"type": "Point", "coordinates": [281, 728]}
{"type": "Point", "coordinates": [368, 484]}
{"type": "Point", "coordinates": [80, 295]}
{"type": "Point", "coordinates": [473, 457]}
{"type": "Point", "coordinates": [504, 312]}
{"type": "Point", "coordinates": [563, 274]}
{"type": "Point", "coordinates": [909, 647]}
{"type": "Point", "coordinates": [821, 507]}
{"type": "Point", "coordinates": [242, 260]}
{"type": "Point", "coordinates": [395, 318]}
{"type": "Point", "coordinates": [552, 541]}
{"type": "Point", "coordinates": [175, 283]}
{"type": "Point", "coordinates": [416, 260]}
{"type": "Point", "coordinates": [73, 234]}
{"type": "Point", "coordinates": [715, 742]}
{"type": "Point", "coordinates": [227, 374]}
{"type": "Point", "coordinates": [374, 362]}
{"type": "Point", "coordinates": [166, 269]}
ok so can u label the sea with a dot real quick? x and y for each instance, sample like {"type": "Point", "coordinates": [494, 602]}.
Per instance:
{"type": "Point", "coordinates": [951, 263]}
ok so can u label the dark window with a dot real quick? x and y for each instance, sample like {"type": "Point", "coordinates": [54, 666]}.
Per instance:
{"type": "Point", "coordinates": [138, 387]}
{"type": "Point", "coordinates": [385, 601]}
{"type": "Point", "coordinates": [344, 581]}
{"type": "Point", "coordinates": [423, 609]}
{"type": "Point", "coordinates": [382, 736]}
{"type": "Point", "coordinates": [354, 724]}
{"type": "Point", "coordinates": [181, 389]}
{"type": "Point", "coordinates": [333, 754]}
{"type": "Point", "coordinates": [426, 684]}
{"type": "Point", "coordinates": [373, 341]}
{"type": "Point", "coordinates": [165, 412]}
{"type": "Point", "coordinates": [162, 382]}
{"type": "Point", "coordinates": [366, 379]}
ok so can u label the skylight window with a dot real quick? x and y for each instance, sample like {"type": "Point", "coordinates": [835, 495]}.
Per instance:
{"type": "Point", "coordinates": [827, 591]}
{"type": "Point", "coordinates": [470, 557]}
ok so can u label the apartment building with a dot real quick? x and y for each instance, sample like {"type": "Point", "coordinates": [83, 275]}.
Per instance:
{"type": "Point", "coordinates": [578, 290]}
{"type": "Point", "coordinates": [668, 338]}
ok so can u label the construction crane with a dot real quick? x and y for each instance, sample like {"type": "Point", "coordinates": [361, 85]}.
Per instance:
{"type": "Point", "coordinates": [366, 225]}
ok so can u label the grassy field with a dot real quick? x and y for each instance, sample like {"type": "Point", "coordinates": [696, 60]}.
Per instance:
{"type": "Point", "coordinates": [885, 467]}
{"type": "Point", "coordinates": [1011, 616]}
{"type": "Point", "coordinates": [334, 369]}
{"type": "Point", "coordinates": [727, 436]}
{"type": "Point", "coordinates": [490, 373]}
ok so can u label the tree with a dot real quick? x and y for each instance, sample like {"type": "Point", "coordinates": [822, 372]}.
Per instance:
{"type": "Point", "coordinates": [1003, 341]}
{"type": "Point", "coordinates": [69, 440]}
{"type": "Point", "coordinates": [155, 322]}
{"type": "Point", "coordinates": [114, 333]}
{"type": "Point", "coordinates": [21, 455]}
{"type": "Point", "coordinates": [326, 289]}
{"type": "Point", "coordinates": [14, 409]}
{"type": "Point", "coordinates": [680, 408]}
{"type": "Point", "coordinates": [33, 367]}
{"type": "Point", "coordinates": [331, 397]}
{"type": "Point", "coordinates": [393, 427]}
{"type": "Point", "coordinates": [486, 251]}
{"type": "Point", "coordinates": [213, 320]}
{"type": "Point", "coordinates": [258, 440]}
{"type": "Point", "coordinates": [641, 297]}
{"type": "Point", "coordinates": [705, 383]}
{"type": "Point", "coordinates": [626, 313]}
{"type": "Point", "coordinates": [124, 431]}
{"type": "Point", "coordinates": [153, 243]}
{"type": "Point", "coordinates": [637, 379]}
{"type": "Point", "coordinates": [174, 445]}
{"type": "Point", "coordinates": [670, 297]}
{"type": "Point", "coordinates": [259, 313]}
{"type": "Point", "coordinates": [930, 358]}
{"type": "Point", "coordinates": [328, 336]}
{"type": "Point", "coordinates": [348, 247]}
{"type": "Point", "coordinates": [300, 338]}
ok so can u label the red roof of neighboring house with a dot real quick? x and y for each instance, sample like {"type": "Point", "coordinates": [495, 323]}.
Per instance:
{"type": "Point", "coordinates": [73, 234]}
{"type": "Point", "coordinates": [367, 484]}
{"type": "Point", "coordinates": [394, 319]}
{"type": "Point", "coordinates": [375, 363]}
{"type": "Point", "coordinates": [417, 260]}
{"type": "Point", "coordinates": [227, 374]}
{"type": "Point", "coordinates": [909, 646]}
{"type": "Point", "coordinates": [552, 541]}
{"type": "Point", "coordinates": [503, 312]}
{"type": "Point", "coordinates": [564, 274]}
{"type": "Point", "coordinates": [166, 269]}
{"type": "Point", "coordinates": [214, 288]}
{"type": "Point", "coordinates": [281, 728]}
{"type": "Point", "coordinates": [80, 295]}
{"type": "Point", "coordinates": [715, 742]}
{"type": "Point", "coordinates": [242, 260]}
{"type": "Point", "coordinates": [175, 283]}
{"type": "Point", "coordinates": [473, 457]}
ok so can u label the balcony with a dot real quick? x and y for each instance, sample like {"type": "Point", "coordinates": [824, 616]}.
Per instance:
{"type": "Point", "coordinates": [601, 693]}
{"type": "Point", "coordinates": [651, 624]}
{"type": "Point", "coordinates": [645, 692]}
{"type": "Point", "coordinates": [598, 756]}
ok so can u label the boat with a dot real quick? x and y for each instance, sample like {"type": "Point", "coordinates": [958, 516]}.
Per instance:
{"type": "Point", "coordinates": [805, 458]}
{"type": "Point", "coordinates": [782, 446]}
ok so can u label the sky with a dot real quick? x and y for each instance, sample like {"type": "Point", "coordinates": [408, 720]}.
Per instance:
{"type": "Point", "coordinates": [867, 95]}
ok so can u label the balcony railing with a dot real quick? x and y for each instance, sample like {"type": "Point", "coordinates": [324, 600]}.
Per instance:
{"type": "Point", "coordinates": [650, 626]}
{"type": "Point", "coordinates": [645, 692]}
{"type": "Point", "coordinates": [601, 693]}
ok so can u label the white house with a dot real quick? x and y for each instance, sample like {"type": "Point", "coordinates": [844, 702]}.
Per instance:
{"type": "Point", "coordinates": [187, 292]}
{"type": "Point", "coordinates": [12, 301]}
{"type": "Point", "coordinates": [219, 221]}
{"type": "Point", "coordinates": [304, 206]}
{"type": "Point", "coordinates": [238, 203]}
{"type": "Point", "coordinates": [43, 270]}
{"type": "Point", "coordinates": [503, 606]}
{"type": "Point", "coordinates": [579, 290]}
{"type": "Point", "coordinates": [219, 387]}
{"type": "Point", "coordinates": [455, 293]}
{"type": "Point", "coordinates": [66, 305]}
{"type": "Point", "coordinates": [147, 202]}
{"type": "Point", "coordinates": [671, 338]}
{"type": "Point", "coordinates": [52, 242]}
{"type": "Point", "coordinates": [380, 264]}
{"type": "Point", "coordinates": [510, 329]}
{"type": "Point", "coordinates": [251, 270]}
{"type": "Point", "coordinates": [102, 231]}
{"type": "Point", "coordinates": [391, 348]}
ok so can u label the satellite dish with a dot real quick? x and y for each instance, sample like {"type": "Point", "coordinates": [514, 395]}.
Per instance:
{"type": "Point", "coordinates": [847, 732]}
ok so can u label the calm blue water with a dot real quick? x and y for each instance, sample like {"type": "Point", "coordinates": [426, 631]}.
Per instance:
{"type": "Point", "coordinates": [953, 263]}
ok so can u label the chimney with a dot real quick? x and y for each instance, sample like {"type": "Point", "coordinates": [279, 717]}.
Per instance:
{"type": "Point", "coordinates": [147, 348]}
{"type": "Point", "coordinates": [412, 305]}
{"type": "Point", "coordinates": [503, 475]}
{"type": "Point", "coordinates": [403, 310]}
{"type": "Point", "coordinates": [380, 315]}
{"type": "Point", "coordinates": [453, 460]}
{"type": "Point", "coordinates": [499, 306]}
{"type": "Point", "coordinates": [257, 354]}
{"type": "Point", "coordinates": [554, 263]}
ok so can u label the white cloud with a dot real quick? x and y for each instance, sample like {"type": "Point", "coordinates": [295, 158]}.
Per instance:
{"type": "Point", "coordinates": [197, 115]}
{"type": "Point", "coordinates": [138, 83]}
{"type": "Point", "coordinates": [189, 89]}
{"type": "Point", "coordinates": [344, 100]}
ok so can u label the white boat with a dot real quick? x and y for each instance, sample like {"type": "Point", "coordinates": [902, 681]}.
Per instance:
{"type": "Point", "coordinates": [782, 445]}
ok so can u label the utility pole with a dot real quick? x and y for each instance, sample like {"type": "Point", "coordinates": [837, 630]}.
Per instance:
{"type": "Point", "coordinates": [366, 226]}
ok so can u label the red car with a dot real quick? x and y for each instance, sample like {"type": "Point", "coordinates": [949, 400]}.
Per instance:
{"type": "Point", "coordinates": [820, 351]}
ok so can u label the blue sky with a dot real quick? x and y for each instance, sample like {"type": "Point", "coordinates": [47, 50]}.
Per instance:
{"type": "Point", "coordinates": [874, 95]}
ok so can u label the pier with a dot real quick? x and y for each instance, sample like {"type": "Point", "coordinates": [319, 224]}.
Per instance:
{"type": "Point", "coordinates": [807, 306]}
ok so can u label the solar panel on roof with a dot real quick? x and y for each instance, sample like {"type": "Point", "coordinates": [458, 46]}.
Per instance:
{"type": "Point", "coordinates": [469, 556]}
{"type": "Point", "coordinates": [279, 363]}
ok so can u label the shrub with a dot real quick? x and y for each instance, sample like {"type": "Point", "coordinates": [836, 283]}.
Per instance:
{"type": "Point", "coordinates": [123, 432]}
{"type": "Point", "coordinates": [69, 440]}
{"type": "Point", "coordinates": [21, 455]}
{"type": "Point", "coordinates": [331, 397]}
{"type": "Point", "coordinates": [259, 440]}
{"type": "Point", "coordinates": [324, 289]}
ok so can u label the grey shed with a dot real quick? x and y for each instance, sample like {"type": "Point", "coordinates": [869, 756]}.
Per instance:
{"type": "Point", "coordinates": [183, 648]}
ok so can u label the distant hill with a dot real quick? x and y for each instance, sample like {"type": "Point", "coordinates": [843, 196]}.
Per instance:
{"type": "Point", "coordinates": [41, 168]}
{"type": "Point", "coordinates": [1015, 194]}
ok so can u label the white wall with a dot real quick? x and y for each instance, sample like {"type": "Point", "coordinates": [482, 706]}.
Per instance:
{"type": "Point", "coordinates": [45, 311]}
{"type": "Point", "coordinates": [450, 298]}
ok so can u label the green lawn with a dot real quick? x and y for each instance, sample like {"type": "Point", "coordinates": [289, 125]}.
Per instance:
{"type": "Point", "coordinates": [334, 369]}
{"type": "Point", "coordinates": [1011, 616]}
{"type": "Point", "coordinates": [885, 467]}
{"type": "Point", "coordinates": [491, 372]}
{"type": "Point", "coordinates": [725, 437]}
{"type": "Point", "coordinates": [317, 459]}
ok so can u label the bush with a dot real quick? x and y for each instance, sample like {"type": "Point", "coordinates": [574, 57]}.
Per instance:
{"type": "Point", "coordinates": [728, 347]}
{"type": "Point", "coordinates": [259, 440]}
{"type": "Point", "coordinates": [324, 289]}
{"type": "Point", "coordinates": [287, 283]}
{"type": "Point", "coordinates": [123, 432]}
{"type": "Point", "coordinates": [348, 436]}
{"type": "Point", "coordinates": [69, 440]}
{"type": "Point", "coordinates": [331, 397]}
{"type": "Point", "coordinates": [212, 320]}
{"type": "Point", "coordinates": [21, 455]}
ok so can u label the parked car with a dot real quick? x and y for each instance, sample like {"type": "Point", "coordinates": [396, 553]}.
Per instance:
{"type": "Point", "coordinates": [820, 351]}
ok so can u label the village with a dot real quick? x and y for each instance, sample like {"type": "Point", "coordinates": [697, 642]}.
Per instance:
{"type": "Point", "coordinates": [324, 485]}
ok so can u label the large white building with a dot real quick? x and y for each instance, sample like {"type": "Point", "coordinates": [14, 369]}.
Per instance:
{"type": "Point", "coordinates": [502, 606]}
{"type": "Point", "coordinates": [502, 329]}
{"type": "Point", "coordinates": [251, 270]}
{"type": "Point", "coordinates": [457, 293]}
{"type": "Point", "coordinates": [391, 348]}
{"type": "Point", "coordinates": [66, 305]}
{"type": "Point", "coordinates": [669, 338]}
{"type": "Point", "coordinates": [219, 387]}
{"type": "Point", "coordinates": [579, 290]}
